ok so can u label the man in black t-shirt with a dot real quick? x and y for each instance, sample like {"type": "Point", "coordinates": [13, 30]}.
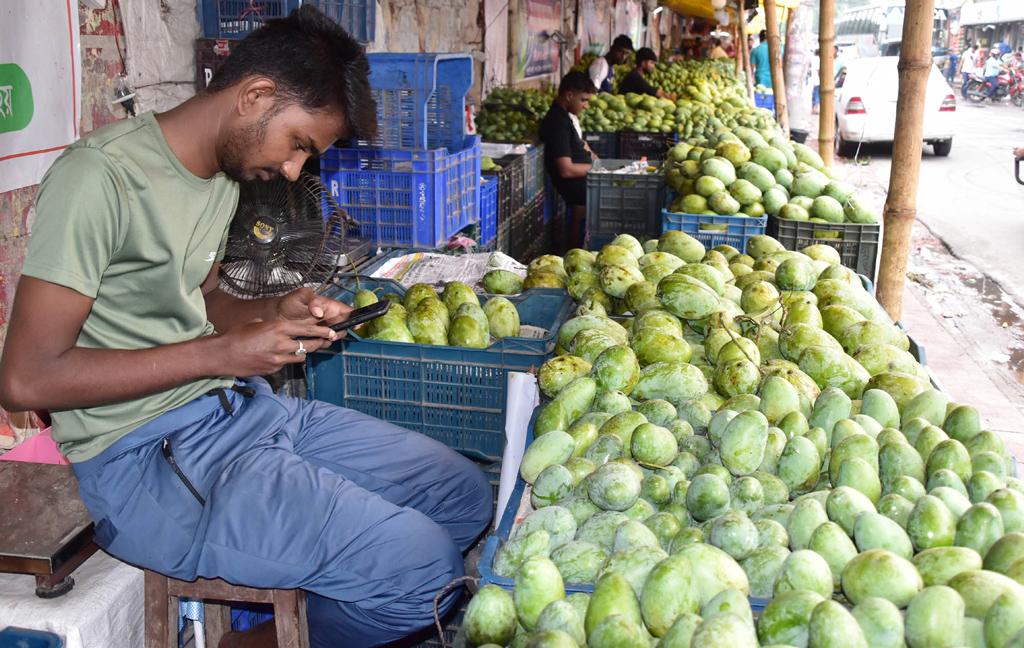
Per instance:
{"type": "Point", "coordinates": [567, 158]}
{"type": "Point", "coordinates": [636, 80]}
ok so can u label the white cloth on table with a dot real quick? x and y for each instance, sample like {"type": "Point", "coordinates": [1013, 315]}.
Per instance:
{"type": "Point", "coordinates": [104, 610]}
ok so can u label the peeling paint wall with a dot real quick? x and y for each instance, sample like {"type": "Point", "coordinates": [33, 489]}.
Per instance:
{"type": "Point", "coordinates": [100, 66]}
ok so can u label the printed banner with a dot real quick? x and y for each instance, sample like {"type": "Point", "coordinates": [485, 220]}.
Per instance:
{"type": "Point", "coordinates": [536, 52]}
{"type": "Point", "coordinates": [40, 82]}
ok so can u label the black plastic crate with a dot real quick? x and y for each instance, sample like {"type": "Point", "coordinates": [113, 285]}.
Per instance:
{"type": "Point", "coordinates": [624, 203]}
{"type": "Point", "coordinates": [858, 245]}
{"type": "Point", "coordinates": [511, 179]}
{"type": "Point", "coordinates": [527, 229]}
{"type": "Point", "coordinates": [533, 172]}
{"type": "Point", "coordinates": [210, 55]}
{"type": "Point", "coordinates": [604, 145]}
{"type": "Point", "coordinates": [501, 243]}
{"type": "Point", "coordinates": [653, 146]}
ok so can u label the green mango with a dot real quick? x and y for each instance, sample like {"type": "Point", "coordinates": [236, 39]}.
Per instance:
{"type": "Point", "coordinates": [743, 442]}
{"type": "Point", "coordinates": [931, 524]}
{"type": "Point", "coordinates": [490, 617]}
{"type": "Point", "coordinates": [681, 632]}
{"type": "Point", "coordinates": [858, 474]}
{"type": "Point", "coordinates": [668, 592]}
{"type": "Point", "coordinates": [687, 297]}
{"type": "Point", "coordinates": [899, 459]}
{"type": "Point", "coordinates": [903, 387]}
{"type": "Point", "coordinates": [613, 596]}
{"type": "Point", "coordinates": [577, 396]}
{"type": "Point", "coordinates": [804, 570]}
{"type": "Point", "coordinates": [600, 528]}
{"type": "Point", "coordinates": [980, 589]}
{"type": "Point", "coordinates": [843, 506]}
{"type": "Point", "coordinates": [962, 423]}
{"type": "Point", "coordinates": [787, 617]}
{"type": "Point", "coordinates": [653, 445]}
{"type": "Point", "coordinates": [554, 484]}
{"type": "Point", "coordinates": [724, 630]}
{"type": "Point", "coordinates": [950, 454]}
{"type": "Point", "coordinates": [579, 561]}
{"type": "Point", "coordinates": [1005, 552]}
{"type": "Point", "coordinates": [832, 405]}
{"type": "Point", "coordinates": [671, 381]}
{"type": "Point", "coordinates": [746, 494]}
{"type": "Point", "coordinates": [762, 567]}
{"type": "Point", "coordinates": [589, 343]}
{"type": "Point", "coordinates": [938, 565]}
{"type": "Point", "coordinates": [614, 487]}
{"type": "Point", "coordinates": [881, 573]}
{"type": "Point", "coordinates": [895, 507]}
{"type": "Point", "coordinates": [831, 543]}
{"type": "Point", "coordinates": [775, 491]}
{"type": "Point", "coordinates": [832, 626]}
{"type": "Point", "coordinates": [611, 402]}
{"type": "Point", "coordinates": [559, 371]}
{"type": "Point", "coordinates": [881, 623]}
{"type": "Point", "coordinates": [857, 446]}
{"type": "Point", "coordinates": [983, 483]}
{"type": "Point", "coordinates": [1011, 506]}
{"type": "Point", "coordinates": [880, 406]}
{"type": "Point", "coordinates": [622, 425]}
{"type": "Point", "coordinates": [979, 527]}
{"type": "Point", "coordinates": [616, 369]}
{"type": "Point", "coordinates": [935, 618]}
{"type": "Point", "coordinates": [876, 531]}
{"type": "Point", "coordinates": [929, 405]}
{"type": "Point", "coordinates": [807, 515]}
{"type": "Point", "coordinates": [537, 584]}
{"type": "Point", "coordinates": [771, 534]}
{"type": "Point", "coordinates": [555, 447]}
{"type": "Point", "coordinates": [707, 497]}
{"type": "Point", "coordinates": [778, 399]}
{"type": "Point", "coordinates": [1004, 619]}
{"type": "Point", "coordinates": [559, 622]}
{"type": "Point", "coordinates": [733, 533]}
{"type": "Point", "coordinates": [713, 571]}
{"type": "Point", "coordinates": [635, 565]}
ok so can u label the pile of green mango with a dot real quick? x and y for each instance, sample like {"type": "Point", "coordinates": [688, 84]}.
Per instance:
{"type": "Point", "coordinates": [454, 318]}
{"type": "Point", "coordinates": [513, 114]}
{"type": "Point", "coordinates": [751, 426]}
{"type": "Point", "coordinates": [745, 171]}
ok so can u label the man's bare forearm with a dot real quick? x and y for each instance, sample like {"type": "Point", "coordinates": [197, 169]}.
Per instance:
{"type": "Point", "coordinates": [82, 377]}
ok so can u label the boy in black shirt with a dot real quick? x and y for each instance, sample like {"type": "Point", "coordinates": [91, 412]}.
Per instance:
{"type": "Point", "coordinates": [636, 82]}
{"type": "Point", "coordinates": [567, 158]}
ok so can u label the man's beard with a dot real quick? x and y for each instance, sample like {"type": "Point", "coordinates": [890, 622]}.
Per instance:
{"type": "Point", "coordinates": [240, 144]}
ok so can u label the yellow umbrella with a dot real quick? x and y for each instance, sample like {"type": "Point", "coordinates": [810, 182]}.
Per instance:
{"type": "Point", "coordinates": [703, 9]}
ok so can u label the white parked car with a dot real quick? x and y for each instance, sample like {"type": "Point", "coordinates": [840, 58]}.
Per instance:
{"type": "Point", "coordinates": [866, 92]}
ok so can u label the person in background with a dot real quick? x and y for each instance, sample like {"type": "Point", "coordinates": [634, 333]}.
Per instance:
{"type": "Point", "coordinates": [951, 66]}
{"type": "Point", "coordinates": [1016, 61]}
{"type": "Point", "coordinates": [761, 61]}
{"type": "Point", "coordinates": [993, 66]}
{"type": "Point", "coordinates": [968, 68]}
{"type": "Point", "coordinates": [729, 47]}
{"type": "Point", "coordinates": [602, 70]}
{"type": "Point", "coordinates": [815, 81]}
{"type": "Point", "coordinates": [636, 80]}
{"type": "Point", "coordinates": [717, 51]}
{"type": "Point", "coordinates": [567, 158]}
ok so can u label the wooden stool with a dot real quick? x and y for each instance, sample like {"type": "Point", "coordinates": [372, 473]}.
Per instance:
{"type": "Point", "coordinates": [45, 528]}
{"type": "Point", "coordinates": [162, 595]}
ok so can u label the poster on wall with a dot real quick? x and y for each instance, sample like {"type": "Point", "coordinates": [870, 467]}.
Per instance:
{"type": "Point", "coordinates": [594, 27]}
{"type": "Point", "coordinates": [40, 82]}
{"type": "Point", "coordinates": [629, 20]}
{"type": "Point", "coordinates": [536, 53]}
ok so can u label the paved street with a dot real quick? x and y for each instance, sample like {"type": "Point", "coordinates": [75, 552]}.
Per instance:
{"type": "Point", "coordinates": [965, 280]}
{"type": "Point", "coordinates": [970, 199]}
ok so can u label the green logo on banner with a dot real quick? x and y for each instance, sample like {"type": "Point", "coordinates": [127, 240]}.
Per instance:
{"type": "Point", "coordinates": [16, 105]}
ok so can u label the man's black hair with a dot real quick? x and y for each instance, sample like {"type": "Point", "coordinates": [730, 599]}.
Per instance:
{"type": "Point", "coordinates": [623, 42]}
{"type": "Point", "coordinates": [763, 35]}
{"type": "Point", "coordinates": [314, 63]}
{"type": "Point", "coordinates": [645, 54]}
{"type": "Point", "coordinates": [576, 81]}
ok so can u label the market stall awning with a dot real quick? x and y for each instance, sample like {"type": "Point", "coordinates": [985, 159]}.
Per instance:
{"type": "Point", "coordinates": [702, 8]}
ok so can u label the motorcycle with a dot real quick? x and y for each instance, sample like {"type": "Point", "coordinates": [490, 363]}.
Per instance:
{"type": "Point", "coordinates": [1008, 84]}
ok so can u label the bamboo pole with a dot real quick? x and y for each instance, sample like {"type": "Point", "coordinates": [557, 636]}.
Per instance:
{"type": "Point", "coordinates": [827, 80]}
{"type": "Point", "coordinates": [771, 19]}
{"type": "Point", "coordinates": [741, 26]}
{"type": "Point", "coordinates": [737, 46]}
{"type": "Point", "coordinates": [901, 202]}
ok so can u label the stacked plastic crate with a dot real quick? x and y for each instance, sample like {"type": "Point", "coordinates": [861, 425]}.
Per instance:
{"type": "Point", "coordinates": [418, 181]}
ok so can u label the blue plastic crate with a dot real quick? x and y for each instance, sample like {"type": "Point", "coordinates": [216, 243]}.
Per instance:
{"type": "Point", "coordinates": [488, 210]}
{"type": "Point", "coordinates": [505, 526]}
{"type": "Point", "coordinates": [11, 637]}
{"type": "Point", "coordinates": [405, 198]}
{"type": "Point", "coordinates": [533, 172]}
{"type": "Point", "coordinates": [421, 99]}
{"type": "Point", "coordinates": [451, 394]}
{"type": "Point", "coordinates": [738, 231]}
{"type": "Point", "coordinates": [357, 17]}
{"type": "Point", "coordinates": [237, 18]}
{"type": "Point", "coordinates": [764, 100]}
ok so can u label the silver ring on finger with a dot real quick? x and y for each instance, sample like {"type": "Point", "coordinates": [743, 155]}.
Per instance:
{"type": "Point", "coordinates": [301, 350]}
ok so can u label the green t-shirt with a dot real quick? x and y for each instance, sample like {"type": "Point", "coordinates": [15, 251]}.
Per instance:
{"type": "Point", "coordinates": [121, 220]}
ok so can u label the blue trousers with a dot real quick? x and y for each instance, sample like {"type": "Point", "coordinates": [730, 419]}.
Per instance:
{"type": "Point", "coordinates": [993, 82]}
{"type": "Point", "coordinates": [369, 518]}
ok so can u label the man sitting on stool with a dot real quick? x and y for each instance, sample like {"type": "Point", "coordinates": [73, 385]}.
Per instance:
{"type": "Point", "coordinates": [567, 158]}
